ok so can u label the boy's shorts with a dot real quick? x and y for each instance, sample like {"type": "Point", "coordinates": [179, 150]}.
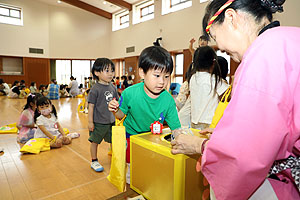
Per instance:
{"type": "Point", "coordinates": [101, 131]}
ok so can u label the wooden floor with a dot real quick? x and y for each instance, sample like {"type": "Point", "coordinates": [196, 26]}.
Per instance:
{"type": "Point", "coordinates": [63, 173]}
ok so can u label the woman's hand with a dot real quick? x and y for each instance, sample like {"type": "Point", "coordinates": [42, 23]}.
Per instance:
{"type": "Point", "coordinates": [207, 132]}
{"type": "Point", "coordinates": [186, 144]}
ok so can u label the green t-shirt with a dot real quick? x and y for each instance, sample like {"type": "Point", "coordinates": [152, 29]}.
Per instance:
{"type": "Point", "coordinates": [142, 111]}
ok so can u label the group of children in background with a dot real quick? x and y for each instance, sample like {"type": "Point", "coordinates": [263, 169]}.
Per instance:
{"type": "Point", "coordinates": [142, 104]}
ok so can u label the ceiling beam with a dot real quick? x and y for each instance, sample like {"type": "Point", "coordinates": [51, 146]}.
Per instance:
{"type": "Point", "coordinates": [121, 3]}
{"type": "Point", "coordinates": [89, 8]}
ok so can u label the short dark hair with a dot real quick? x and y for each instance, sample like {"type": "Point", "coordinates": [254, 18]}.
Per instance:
{"type": "Point", "coordinates": [32, 83]}
{"type": "Point", "coordinates": [257, 8]}
{"type": "Point", "coordinates": [1, 81]}
{"type": "Point", "coordinates": [204, 37]}
{"type": "Point", "coordinates": [156, 57]}
{"type": "Point", "coordinates": [100, 65]}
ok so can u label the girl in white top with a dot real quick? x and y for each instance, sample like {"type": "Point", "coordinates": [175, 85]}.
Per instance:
{"type": "Point", "coordinates": [45, 118]}
{"type": "Point", "coordinates": [183, 100]}
{"type": "Point", "coordinates": [206, 87]}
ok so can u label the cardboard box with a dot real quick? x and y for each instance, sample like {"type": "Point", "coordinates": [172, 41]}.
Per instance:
{"type": "Point", "coordinates": [159, 175]}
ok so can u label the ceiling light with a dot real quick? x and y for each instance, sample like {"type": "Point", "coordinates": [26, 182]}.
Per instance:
{"type": "Point", "coordinates": [104, 2]}
{"type": "Point", "coordinates": [58, 1]}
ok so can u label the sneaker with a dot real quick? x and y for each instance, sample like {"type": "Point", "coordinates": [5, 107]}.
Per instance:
{"type": "Point", "coordinates": [73, 135]}
{"type": "Point", "coordinates": [86, 111]}
{"type": "Point", "coordinates": [1, 149]}
{"type": "Point", "coordinates": [96, 166]}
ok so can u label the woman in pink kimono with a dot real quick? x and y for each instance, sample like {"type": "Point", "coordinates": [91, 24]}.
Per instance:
{"type": "Point", "coordinates": [254, 151]}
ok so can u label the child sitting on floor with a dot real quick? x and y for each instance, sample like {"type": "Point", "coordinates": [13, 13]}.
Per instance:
{"type": "Point", "coordinates": [26, 124]}
{"type": "Point", "coordinates": [45, 117]}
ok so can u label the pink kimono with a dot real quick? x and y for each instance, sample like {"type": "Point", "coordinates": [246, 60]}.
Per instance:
{"type": "Point", "coordinates": [261, 124]}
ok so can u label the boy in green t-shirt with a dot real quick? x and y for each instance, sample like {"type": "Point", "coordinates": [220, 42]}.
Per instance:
{"type": "Point", "coordinates": [147, 102]}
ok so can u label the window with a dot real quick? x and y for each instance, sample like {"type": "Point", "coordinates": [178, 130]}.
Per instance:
{"type": "Point", "coordinates": [120, 20]}
{"type": "Point", "coordinates": [179, 68]}
{"type": "Point", "coordinates": [81, 69]}
{"type": "Point", "coordinates": [11, 66]}
{"type": "Point", "coordinates": [77, 68]}
{"type": "Point", "coordinates": [148, 10]}
{"type": "Point", "coordinates": [169, 6]}
{"type": "Point", "coordinates": [11, 15]}
{"type": "Point", "coordinates": [143, 11]}
{"type": "Point", "coordinates": [124, 19]}
{"type": "Point", "coordinates": [63, 71]}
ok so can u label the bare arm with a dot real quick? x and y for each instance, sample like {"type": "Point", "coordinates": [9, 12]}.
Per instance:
{"type": "Point", "coordinates": [46, 132]}
{"type": "Point", "coordinates": [60, 129]}
{"type": "Point", "coordinates": [91, 117]}
{"type": "Point", "coordinates": [192, 50]}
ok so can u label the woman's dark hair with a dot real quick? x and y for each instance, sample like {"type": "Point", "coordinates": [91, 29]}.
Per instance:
{"type": "Point", "coordinates": [72, 78]}
{"type": "Point", "coordinates": [223, 66]}
{"type": "Point", "coordinates": [32, 83]}
{"type": "Point", "coordinates": [1, 81]}
{"type": "Point", "coordinates": [257, 8]}
{"type": "Point", "coordinates": [15, 83]}
{"type": "Point", "coordinates": [41, 101]}
{"type": "Point", "coordinates": [205, 59]}
{"type": "Point", "coordinates": [102, 64]}
{"type": "Point", "coordinates": [130, 77]}
{"type": "Point", "coordinates": [156, 57]}
{"type": "Point", "coordinates": [30, 99]}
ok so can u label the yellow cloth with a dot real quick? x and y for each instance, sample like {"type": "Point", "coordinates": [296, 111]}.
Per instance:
{"type": "Point", "coordinates": [117, 175]}
{"type": "Point", "coordinates": [36, 145]}
{"type": "Point", "coordinates": [221, 108]}
{"type": "Point", "coordinates": [10, 128]}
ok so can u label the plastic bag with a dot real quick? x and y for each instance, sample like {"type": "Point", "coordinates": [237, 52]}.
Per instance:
{"type": "Point", "coordinates": [221, 108]}
{"type": "Point", "coordinates": [117, 175]}
{"type": "Point", "coordinates": [36, 145]}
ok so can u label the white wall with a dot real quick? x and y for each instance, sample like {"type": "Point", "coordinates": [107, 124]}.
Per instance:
{"type": "Point", "coordinates": [176, 30]}
{"type": "Point", "coordinates": [16, 40]}
{"type": "Point", "coordinates": [69, 32]}
{"type": "Point", "coordinates": [179, 27]}
{"type": "Point", "coordinates": [63, 32]}
{"type": "Point", "coordinates": [75, 33]}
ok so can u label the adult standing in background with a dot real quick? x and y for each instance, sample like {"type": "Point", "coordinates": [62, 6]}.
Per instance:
{"type": "Point", "coordinates": [74, 90]}
{"type": "Point", "coordinates": [254, 151]}
{"type": "Point", "coordinates": [202, 41]}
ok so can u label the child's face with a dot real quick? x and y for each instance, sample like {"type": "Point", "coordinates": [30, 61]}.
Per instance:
{"type": "Point", "coordinates": [45, 109]}
{"type": "Point", "coordinates": [106, 75]}
{"type": "Point", "coordinates": [155, 81]}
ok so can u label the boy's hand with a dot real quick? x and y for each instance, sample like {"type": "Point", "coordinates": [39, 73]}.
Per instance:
{"type": "Point", "coordinates": [192, 41]}
{"type": "Point", "coordinates": [91, 126]}
{"type": "Point", "coordinates": [113, 105]}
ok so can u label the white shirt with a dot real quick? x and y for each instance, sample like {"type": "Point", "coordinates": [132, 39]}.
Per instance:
{"type": "Point", "coordinates": [6, 88]}
{"type": "Point", "coordinates": [49, 123]}
{"type": "Point", "coordinates": [204, 99]}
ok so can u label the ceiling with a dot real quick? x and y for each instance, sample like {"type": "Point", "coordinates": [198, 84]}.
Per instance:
{"type": "Point", "coordinates": [102, 5]}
